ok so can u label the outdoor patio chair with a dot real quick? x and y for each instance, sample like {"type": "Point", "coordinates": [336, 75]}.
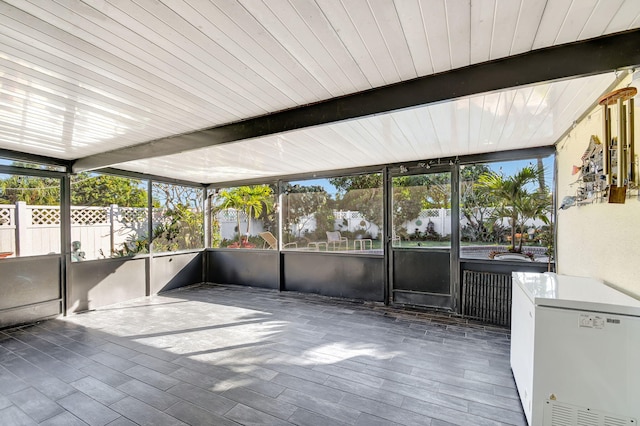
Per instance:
{"type": "Point", "coordinates": [272, 242]}
{"type": "Point", "coordinates": [315, 245]}
{"type": "Point", "coordinates": [334, 237]}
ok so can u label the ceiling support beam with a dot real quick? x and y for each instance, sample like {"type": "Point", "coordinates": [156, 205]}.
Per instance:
{"type": "Point", "coordinates": [34, 158]}
{"type": "Point", "coordinates": [602, 54]}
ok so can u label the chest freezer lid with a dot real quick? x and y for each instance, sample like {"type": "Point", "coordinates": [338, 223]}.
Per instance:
{"type": "Point", "coordinates": [564, 291]}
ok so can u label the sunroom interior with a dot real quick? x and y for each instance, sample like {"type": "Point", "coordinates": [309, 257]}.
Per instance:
{"type": "Point", "coordinates": [182, 106]}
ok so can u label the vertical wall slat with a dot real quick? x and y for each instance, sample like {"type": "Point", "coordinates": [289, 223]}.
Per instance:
{"type": "Point", "coordinates": [486, 296]}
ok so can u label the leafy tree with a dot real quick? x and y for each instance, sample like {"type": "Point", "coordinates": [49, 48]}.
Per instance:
{"type": "Point", "coordinates": [301, 203]}
{"type": "Point", "coordinates": [87, 190]}
{"type": "Point", "coordinates": [472, 173]}
{"type": "Point", "coordinates": [407, 202]}
{"type": "Point", "coordinates": [269, 218]}
{"type": "Point", "coordinates": [433, 189]}
{"type": "Point", "coordinates": [325, 221]}
{"type": "Point", "coordinates": [412, 194]}
{"type": "Point", "coordinates": [436, 189]}
{"type": "Point", "coordinates": [32, 190]}
{"type": "Point", "coordinates": [103, 190]}
{"type": "Point", "coordinates": [169, 196]}
{"type": "Point", "coordinates": [364, 192]}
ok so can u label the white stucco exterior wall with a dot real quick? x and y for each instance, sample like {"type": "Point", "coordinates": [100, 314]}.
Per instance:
{"type": "Point", "coordinates": [598, 240]}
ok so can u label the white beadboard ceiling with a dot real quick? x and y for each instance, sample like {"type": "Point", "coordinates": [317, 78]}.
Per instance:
{"type": "Point", "coordinates": [513, 119]}
{"type": "Point", "coordinates": [79, 78]}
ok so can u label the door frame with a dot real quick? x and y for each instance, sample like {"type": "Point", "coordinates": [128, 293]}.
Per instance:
{"type": "Point", "coordinates": [421, 168]}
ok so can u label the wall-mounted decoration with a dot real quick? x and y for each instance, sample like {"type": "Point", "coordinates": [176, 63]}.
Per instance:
{"type": "Point", "coordinates": [593, 182]}
{"type": "Point", "coordinates": [609, 166]}
{"type": "Point", "coordinates": [619, 151]}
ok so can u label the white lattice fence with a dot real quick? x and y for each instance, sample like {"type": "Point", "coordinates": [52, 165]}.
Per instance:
{"type": "Point", "coordinates": [35, 230]}
{"type": "Point", "coordinates": [90, 215]}
{"type": "Point", "coordinates": [103, 230]}
{"type": "Point", "coordinates": [50, 215]}
{"type": "Point", "coordinates": [7, 215]}
{"type": "Point", "coordinates": [133, 214]}
{"type": "Point", "coordinates": [7, 229]}
{"type": "Point", "coordinates": [429, 213]}
{"type": "Point", "coordinates": [44, 215]}
{"type": "Point", "coordinates": [231, 215]}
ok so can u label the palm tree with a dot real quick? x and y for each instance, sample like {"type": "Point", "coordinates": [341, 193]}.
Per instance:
{"type": "Point", "coordinates": [252, 200]}
{"type": "Point", "coordinates": [512, 195]}
{"type": "Point", "coordinates": [541, 181]}
{"type": "Point", "coordinates": [534, 206]}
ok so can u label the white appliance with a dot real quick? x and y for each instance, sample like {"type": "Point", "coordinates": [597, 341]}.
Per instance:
{"type": "Point", "coordinates": [575, 351]}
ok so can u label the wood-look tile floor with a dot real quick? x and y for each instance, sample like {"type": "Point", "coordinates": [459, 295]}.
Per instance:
{"type": "Point", "coordinates": [227, 355]}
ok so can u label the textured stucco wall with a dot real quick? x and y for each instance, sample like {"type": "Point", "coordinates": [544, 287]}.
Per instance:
{"type": "Point", "coordinates": [599, 240]}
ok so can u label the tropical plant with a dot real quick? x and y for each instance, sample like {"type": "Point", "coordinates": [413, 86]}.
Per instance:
{"type": "Point", "coordinates": [181, 229]}
{"type": "Point", "coordinates": [547, 237]}
{"type": "Point", "coordinates": [135, 244]}
{"type": "Point", "coordinates": [180, 225]}
{"type": "Point", "coordinates": [251, 200]}
{"type": "Point", "coordinates": [535, 205]}
{"type": "Point", "coordinates": [515, 200]}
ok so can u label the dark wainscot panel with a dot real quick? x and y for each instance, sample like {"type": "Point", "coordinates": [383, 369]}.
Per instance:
{"type": "Point", "coordinates": [255, 268]}
{"type": "Point", "coordinates": [502, 266]}
{"type": "Point", "coordinates": [97, 283]}
{"type": "Point", "coordinates": [485, 288]}
{"type": "Point", "coordinates": [175, 270]}
{"type": "Point", "coordinates": [425, 271]}
{"type": "Point", "coordinates": [337, 275]}
{"type": "Point", "coordinates": [422, 278]}
{"type": "Point", "coordinates": [30, 289]}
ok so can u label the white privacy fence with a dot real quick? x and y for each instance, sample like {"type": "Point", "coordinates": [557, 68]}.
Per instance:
{"type": "Point", "coordinates": [228, 220]}
{"type": "Point", "coordinates": [344, 220]}
{"type": "Point", "coordinates": [437, 220]}
{"type": "Point", "coordinates": [27, 230]}
{"type": "Point", "coordinates": [430, 221]}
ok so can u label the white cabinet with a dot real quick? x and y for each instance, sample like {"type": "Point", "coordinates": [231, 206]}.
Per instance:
{"type": "Point", "coordinates": [575, 351]}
